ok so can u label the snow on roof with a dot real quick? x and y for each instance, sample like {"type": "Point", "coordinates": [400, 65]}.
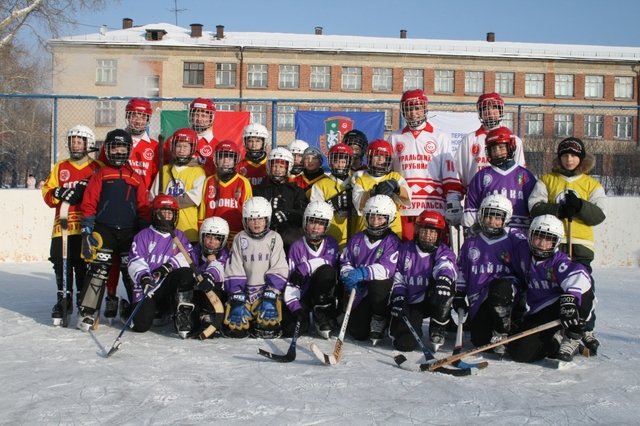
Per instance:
{"type": "Point", "coordinates": [178, 36]}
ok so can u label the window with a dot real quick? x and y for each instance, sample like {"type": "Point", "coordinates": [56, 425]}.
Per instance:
{"type": "Point", "coordinates": [563, 125]}
{"type": "Point", "coordinates": [387, 117]}
{"type": "Point", "coordinates": [504, 83]}
{"type": "Point", "coordinates": [593, 125]}
{"type": "Point", "coordinates": [258, 113]}
{"type": "Point", "coordinates": [320, 78]}
{"type": "Point", "coordinates": [106, 71]}
{"type": "Point", "coordinates": [623, 127]}
{"type": "Point", "coordinates": [289, 76]}
{"type": "Point", "coordinates": [351, 109]}
{"type": "Point", "coordinates": [225, 75]}
{"type": "Point", "coordinates": [225, 107]}
{"type": "Point", "coordinates": [533, 124]}
{"type": "Point", "coordinates": [507, 120]}
{"type": "Point", "coordinates": [535, 162]}
{"type": "Point", "coordinates": [351, 78]}
{"type": "Point", "coordinates": [534, 85]}
{"type": "Point", "coordinates": [444, 81]}
{"type": "Point", "coordinates": [382, 79]}
{"type": "Point", "coordinates": [623, 88]}
{"type": "Point", "coordinates": [257, 76]}
{"type": "Point", "coordinates": [597, 170]}
{"type": "Point", "coordinates": [413, 79]}
{"type": "Point", "coordinates": [150, 86]}
{"type": "Point", "coordinates": [193, 74]}
{"type": "Point", "coordinates": [564, 86]}
{"type": "Point", "coordinates": [473, 82]}
{"type": "Point", "coordinates": [594, 86]}
{"type": "Point", "coordinates": [105, 113]}
{"type": "Point", "coordinates": [320, 108]}
{"type": "Point", "coordinates": [286, 117]}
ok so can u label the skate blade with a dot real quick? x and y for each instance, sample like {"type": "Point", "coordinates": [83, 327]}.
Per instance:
{"type": "Point", "coordinates": [84, 327]}
{"type": "Point", "coordinates": [323, 333]}
{"type": "Point", "coordinates": [374, 342]}
{"type": "Point", "coordinates": [184, 334]}
{"type": "Point", "coordinates": [57, 322]}
{"type": "Point", "coordinates": [434, 347]}
{"type": "Point", "coordinates": [110, 320]}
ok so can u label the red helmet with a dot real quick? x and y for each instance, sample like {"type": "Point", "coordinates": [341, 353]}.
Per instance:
{"type": "Point", "coordinates": [486, 101]}
{"type": "Point", "coordinates": [207, 106]}
{"type": "Point", "coordinates": [411, 100]}
{"type": "Point", "coordinates": [379, 147]}
{"type": "Point", "coordinates": [498, 136]}
{"type": "Point", "coordinates": [183, 135]}
{"type": "Point", "coordinates": [340, 151]}
{"type": "Point", "coordinates": [430, 219]}
{"type": "Point", "coordinates": [164, 202]}
{"type": "Point", "coordinates": [226, 149]}
{"type": "Point", "coordinates": [138, 106]}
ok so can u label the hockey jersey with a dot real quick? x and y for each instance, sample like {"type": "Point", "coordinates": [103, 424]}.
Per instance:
{"type": "Point", "coordinates": [214, 267]}
{"type": "Point", "coordinates": [306, 183]}
{"type": "Point", "coordinates": [143, 159]}
{"type": "Point", "coordinates": [326, 189]}
{"type": "Point", "coordinates": [204, 152]}
{"type": "Point", "coordinates": [253, 172]}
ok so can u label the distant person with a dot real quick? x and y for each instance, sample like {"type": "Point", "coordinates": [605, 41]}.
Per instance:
{"type": "Point", "coordinates": [31, 182]}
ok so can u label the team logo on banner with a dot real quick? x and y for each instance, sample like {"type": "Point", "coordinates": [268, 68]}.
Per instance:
{"type": "Point", "coordinates": [334, 129]}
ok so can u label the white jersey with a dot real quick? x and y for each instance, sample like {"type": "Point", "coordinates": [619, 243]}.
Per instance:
{"type": "Point", "coordinates": [423, 157]}
{"type": "Point", "coordinates": [471, 156]}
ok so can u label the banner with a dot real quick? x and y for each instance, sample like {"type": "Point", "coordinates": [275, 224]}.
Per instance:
{"type": "Point", "coordinates": [324, 129]}
{"type": "Point", "coordinates": [455, 124]}
{"type": "Point", "coordinates": [226, 124]}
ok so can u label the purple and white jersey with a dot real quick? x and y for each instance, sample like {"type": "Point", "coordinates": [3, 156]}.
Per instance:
{"type": "Point", "coordinates": [416, 269]}
{"type": "Point", "coordinates": [482, 260]}
{"type": "Point", "coordinates": [307, 260]}
{"type": "Point", "coordinates": [516, 184]}
{"type": "Point", "coordinates": [214, 267]}
{"type": "Point", "coordinates": [551, 278]}
{"type": "Point", "coordinates": [151, 248]}
{"type": "Point", "coordinates": [379, 257]}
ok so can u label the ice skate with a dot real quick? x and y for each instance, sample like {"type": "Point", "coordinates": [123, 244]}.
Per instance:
{"type": "Point", "coordinates": [568, 349]}
{"type": "Point", "coordinates": [182, 319]}
{"type": "Point", "coordinates": [378, 325]}
{"type": "Point", "coordinates": [111, 308]}
{"type": "Point", "coordinates": [501, 349]}
{"type": "Point", "coordinates": [85, 321]}
{"type": "Point", "coordinates": [125, 310]}
{"type": "Point", "coordinates": [590, 342]}
{"type": "Point", "coordinates": [57, 311]}
{"type": "Point", "coordinates": [321, 320]}
{"type": "Point", "coordinates": [436, 336]}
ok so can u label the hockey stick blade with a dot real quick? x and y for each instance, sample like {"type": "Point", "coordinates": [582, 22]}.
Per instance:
{"type": "Point", "coordinates": [114, 348]}
{"type": "Point", "coordinates": [337, 351]}
{"type": "Point", "coordinates": [401, 362]}
{"type": "Point", "coordinates": [291, 353]}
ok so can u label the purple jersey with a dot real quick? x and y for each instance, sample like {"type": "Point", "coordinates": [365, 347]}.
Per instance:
{"type": "Point", "coordinates": [214, 267]}
{"type": "Point", "coordinates": [417, 269]}
{"type": "Point", "coordinates": [483, 260]}
{"type": "Point", "coordinates": [151, 248]}
{"type": "Point", "coordinates": [516, 184]}
{"type": "Point", "coordinates": [551, 278]}
{"type": "Point", "coordinates": [307, 260]}
{"type": "Point", "coordinates": [379, 257]}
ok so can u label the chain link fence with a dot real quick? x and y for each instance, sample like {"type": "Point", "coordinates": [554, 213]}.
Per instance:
{"type": "Point", "coordinates": [33, 129]}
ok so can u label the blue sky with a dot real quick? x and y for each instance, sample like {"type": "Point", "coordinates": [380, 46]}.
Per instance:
{"type": "Point", "coordinates": [592, 22]}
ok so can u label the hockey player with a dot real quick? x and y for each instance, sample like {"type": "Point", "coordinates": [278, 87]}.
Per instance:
{"type": "Point", "coordinates": [224, 194]}
{"type": "Point", "coordinates": [423, 284]}
{"type": "Point", "coordinates": [155, 261]}
{"type": "Point", "coordinates": [471, 156]}
{"type": "Point", "coordinates": [256, 275]}
{"type": "Point", "coordinates": [115, 206]}
{"type": "Point", "coordinates": [367, 265]}
{"type": "Point", "coordinates": [557, 289]}
{"type": "Point", "coordinates": [493, 266]}
{"type": "Point", "coordinates": [286, 198]}
{"type": "Point", "coordinates": [358, 142]}
{"type": "Point", "coordinates": [503, 177]}
{"type": "Point", "coordinates": [569, 193]}
{"type": "Point", "coordinates": [380, 179]}
{"type": "Point", "coordinates": [254, 165]}
{"type": "Point", "coordinates": [183, 179]}
{"type": "Point", "coordinates": [313, 172]}
{"type": "Point", "coordinates": [296, 148]}
{"type": "Point", "coordinates": [67, 182]}
{"type": "Point", "coordinates": [313, 266]}
{"type": "Point", "coordinates": [423, 157]}
{"type": "Point", "coordinates": [337, 191]}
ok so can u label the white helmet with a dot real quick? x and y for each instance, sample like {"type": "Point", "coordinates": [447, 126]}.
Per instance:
{"type": "Point", "coordinates": [256, 207]}
{"type": "Point", "coordinates": [546, 226]}
{"type": "Point", "coordinates": [279, 154]}
{"type": "Point", "coordinates": [89, 137]}
{"type": "Point", "coordinates": [219, 228]}
{"type": "Point", "coordinates": [381, 205]}
{"type": "Point", "coordinates": [495, 205]}
{"type": "Point", "coordinates": [320, 211]}
{"type": "Point", "coordinates": [297, 147]}
{"type": "Point", "coordinates": [255, 130]}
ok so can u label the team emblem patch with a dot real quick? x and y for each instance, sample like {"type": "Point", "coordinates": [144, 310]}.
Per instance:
{"type": "Point", "coordinates": [211, 192]}
{"type": "Point", "coordinates": [475, 149]}
{"type": "Point", "coordinates": [520, 180]}
{"type": "Point", "coordinates": [430, 147]}
{"type": "Point", "coordinates": [65, 175]}
{"type": "Point", "coordinates": [474, 254]}
{"type": "Point", "coordinates": [152, 245]}
{"type": "Point", "coordinates": [244, 243]}
{"type": "Point", "coordinates": [407, 264]}
{"type": "Point", "coordinates": [486, 180]}
{"type": "Point", "coordinates": [206, 151]}
{"type": "Point", "coordinates": [400, 147]}
{"type": "Point", "coordinates": [505, 257]}
{"type": "Point", "coordinates": [148, 154]}
{"type": "Point", "coordinates": [356, 250]}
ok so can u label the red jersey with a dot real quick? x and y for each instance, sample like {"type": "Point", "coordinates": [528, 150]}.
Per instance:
{"type": "Point", "coordinates": [143, 159]}
{"type": "Point", "coordinates": [204, 152]}
{"type": "Point", "coordinates": [254, 172]}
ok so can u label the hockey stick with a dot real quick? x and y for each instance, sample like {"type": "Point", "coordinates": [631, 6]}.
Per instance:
{"type": "Point", "coordinates": [448, 360]}
{"type": "Point", "coordinates": [64, 231]}
{"type": "Point", "coordinates": [569, 223]}
{"type": "Point", "coordinates": [337, 352]}
{"type": "Point", "coordinates": [291, 353]}
{"type": "Point", "coordinates": [160, 163]}
{"type": "Point", "coordinates": [118, 342]}
{"type": "Point", "coordinates": [458, 348]}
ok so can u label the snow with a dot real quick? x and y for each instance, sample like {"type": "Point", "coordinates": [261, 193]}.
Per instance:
{"type": "Point", "coordinates": [62, 376]}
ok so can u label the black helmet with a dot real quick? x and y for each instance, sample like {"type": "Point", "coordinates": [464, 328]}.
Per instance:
{"type": "Point", "coordinates": [115, 139]}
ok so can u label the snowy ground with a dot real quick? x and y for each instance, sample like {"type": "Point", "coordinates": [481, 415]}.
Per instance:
{"type": "Point", "coordinates": [62, 376]}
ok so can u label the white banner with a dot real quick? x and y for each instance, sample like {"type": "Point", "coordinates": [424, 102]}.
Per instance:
{"type": "Point", "coordinates": [456, 124]}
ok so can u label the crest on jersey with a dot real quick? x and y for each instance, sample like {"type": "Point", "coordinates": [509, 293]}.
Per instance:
{"type": "Point", "coordinates": [474, 254]}
{"type": "Point", "coordinates": [177, 188]}
{"type": "Point", "coordinates": [206, 151]}
{"type": "Point", "coordinates": [400, 147]}
{"type": "Point", "coordinates": [521, 180]}
{"type": "Point", "coordinates": [560, 196]}
{"type": "Point", "coordinates": [244, 243]}
{"type": "Point", "coordinates": [148, 154]}
{"type": "Point", "coordinates": [243, 171]}
{"type": "Point", "coordinates": [407, 263]}
{"type": "Point", "coordinates": [505, 257]}
{"type": "Point", "coordinates": [486, 180]}
{"type": "Point", "coordinates": [356, 250]}
{"type": "Point", "coordinates": [65, 175]}
{"type": "Point", "coordinates": [475, 149]}
{"type": "Point", "coordinates": [211, 192]}
{"type": "Point", "coordinates": [334, 129]}
{"type": "Point", "coordinates": [430, 147]}
{"type": "Point", "coordinates": [551, 276]}
{"type": "Point", "coordinates": [152, 245]}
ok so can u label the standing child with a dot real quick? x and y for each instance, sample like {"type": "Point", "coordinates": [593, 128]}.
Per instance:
{"type": "Point", "coordinates": [296, 148]}
{"type": "Point", "coordinates": [358, 142]}
{"type": "Point", "coordinates": [312, 160]}
{"type": "Point", "coordinates": [254, 165]}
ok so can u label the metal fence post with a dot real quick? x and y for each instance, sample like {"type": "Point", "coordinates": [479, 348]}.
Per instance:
{"type": "Point", "coordinates": [274, 123]}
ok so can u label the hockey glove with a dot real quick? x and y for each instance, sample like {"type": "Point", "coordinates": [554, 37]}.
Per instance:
{"type": "Point", "coordinates": [279, 217]}
{"type": "Point", "coordinates": [237, 314]}
{"type": "Point", "coordinates": [354, 279]}
{"type": "Point", "coordinates": [460, 302]}
{"type": "Point", "coordinates": [399, 307]}
{"type": "Point", "coordinates": [442, 292]}
{"type": "Point", "coordinates": [569, 316]}
{"type": "Point", "coordinates": [78, 192]}
{"type": "Point", "coordinates": [268, 309]}
{"type": "Point", "coordinates": [141, 288]}
{"type": "Point", "coordinates": [161, 272]}
{"type": "Point", "coordinates": [296, 278]}
{"type": "Point", "coordinates": [453, 214]}
{"type": "Point", "coordinates": [63, 194]}
{"type": "Point", "coordinates": [341, 201]}
{"type": "Point", "coordinates": [208, 282]}
{"type": "Point", "coordinates": [91, 242]}
{"type": "Point", "coordinates": [386, 187]}
{"type": "Point", "coordinates": [277, 203]}
{"type": "Point", "coordinates": [571, 206]}
{"type": "Point", "coordinates": [472, 231]}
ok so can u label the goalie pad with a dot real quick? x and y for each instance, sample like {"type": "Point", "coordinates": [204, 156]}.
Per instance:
{"type": "Point", "coordinates": [94, 249]}
{"type": "Point", "coordinates": [95, 283]}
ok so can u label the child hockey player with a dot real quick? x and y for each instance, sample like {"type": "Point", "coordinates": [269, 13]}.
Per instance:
{"type": "Point", "coordinates": [493, 267]}
{"type": "Point", "coordinates": [313, 263]}
{"type": "Point", "coordinates": [296, 148]}
{"type": "Point", "coordinates": [66, 183]}
{"type": "Point", "coordinates": [256, 275]}
{"type": "Point", "coordinates": [570, 194]}
{"type": "Point", "coordinates": [423, 284]}
{"type": "Point", "coordinates": [557, 288]}
{"type": "Point", "coordinates": [358, 143]}
{"type": "Point", "coordinates": [254, 165]}
{"type": "Point", "coordinates": [367, 265]}
{"type": "Point", "coordinates": [312, 160]}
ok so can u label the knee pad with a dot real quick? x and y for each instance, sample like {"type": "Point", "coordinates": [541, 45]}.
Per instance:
{"type": "Point", "coordinates": [500, 292]}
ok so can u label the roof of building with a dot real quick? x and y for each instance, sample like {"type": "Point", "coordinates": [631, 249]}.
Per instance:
{"type": "Point", "coordinates": [177, 36]}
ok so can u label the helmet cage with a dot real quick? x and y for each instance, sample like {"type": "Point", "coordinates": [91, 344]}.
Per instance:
{"type": "Point", "coordinates": [337, 153]}
{"type": "Point", "coordinates": [490, 100]}
{"type": "Point", "coordinates": [117, 159]}
{"type": "Point", "coordinates": [377, 170]}
{"type": "Point", "coordinates": [182, 160]}
{"type": "Point", "coordinates": [547, 227]}
{"type": "Point", "coordinates": [426, 246]}
{"type": "Point", "coordinates": [493, 211]}
{"type": "Point", "coordinates": [87, 136]}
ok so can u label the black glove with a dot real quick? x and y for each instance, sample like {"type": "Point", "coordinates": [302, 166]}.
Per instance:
{"type": "Point", "coordinates": [399, 307]}
{"type": "Point", "coordinates": [442, 292]}
{"type": "Point", "coordinates": [279, 217]}
{"type": "Point", "coordinates": [76, 197]}
{"type": "Point", "coordinates": [571, 206]}
{"type": "Point", "coordinates": [342, 200]}
{"type": "Point", "coordinates": [296, 278]}
{"type": "Point", "coordinates": [208, 283]}
{"type": "Point", "coordinates": [63, 194]}
{"type": "Point", "coordinates": [472, 231]}
{"type": "Point", "coordinates": [570, 317]}
{"type": "Point", "coordinates": [386, 187]}
{"type": "Point", "coordinates": [162, 271]}
{"type": "Point", "coordinates": [277, 203]}
{"type": "Point", "coordinates": [460, 302]}
{"type": "Point", "coordinates": [146, 282]}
